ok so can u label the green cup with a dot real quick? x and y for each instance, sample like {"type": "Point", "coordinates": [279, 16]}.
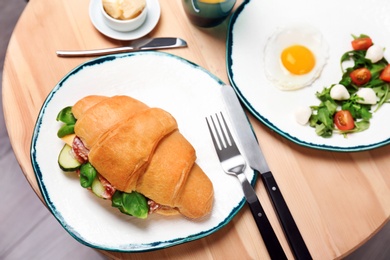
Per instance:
{"type": "Point", "coordinates": [207, 13]}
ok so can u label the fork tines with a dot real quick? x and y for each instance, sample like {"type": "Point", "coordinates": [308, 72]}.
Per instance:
{"type": "Point", "coordinates": [220, 133]}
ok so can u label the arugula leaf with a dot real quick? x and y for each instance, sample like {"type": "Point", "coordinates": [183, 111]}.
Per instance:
{"type": "Point", "coordinates": [360, 126]}
{"type": "Point", "coordinates": [323, 131]}
{"type": "Point", "coordinates": [383, 93]}
{"type": "Point", "coordinates": [358, 111]}
{"type": "Point", "coordinates": [377, 68]}
{"type": "Point", "coordinates": [358, 57]}
{"type": "Point", "coordinates": [322, 117]}
{"type": "Point", "coordinates": [376, 82]}
{"type": "Point", "coordinates": [324, 95]}
{"type": "Point", "coordinates": [360, 36]}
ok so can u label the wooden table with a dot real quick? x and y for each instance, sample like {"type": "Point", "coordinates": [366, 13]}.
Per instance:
{"type": "Point", "coordinates": [338, 200]}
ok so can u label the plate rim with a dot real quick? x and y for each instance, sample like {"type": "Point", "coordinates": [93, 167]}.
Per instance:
{"type": "Point", "coordinates": [46, 196]}
{"type": "Point", "coordinates": [264, 120]}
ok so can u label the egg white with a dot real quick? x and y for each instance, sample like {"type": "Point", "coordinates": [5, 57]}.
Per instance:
{"type": "Point", "coordinates": [297, 35]}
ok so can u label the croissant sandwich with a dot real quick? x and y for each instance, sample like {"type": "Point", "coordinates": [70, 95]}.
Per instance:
{"type": "Point", "coordinates": [135, 156]}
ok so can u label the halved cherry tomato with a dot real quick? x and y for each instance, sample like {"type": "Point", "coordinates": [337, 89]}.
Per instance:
{"type": "Point", "coordinates": [385, 74]}
{"type": "Point", "coordinates": [361, 43]}
{"type": "Point", "coordinates": [360, 76]}
{"type": "Point", "coordinates": [343, 120]}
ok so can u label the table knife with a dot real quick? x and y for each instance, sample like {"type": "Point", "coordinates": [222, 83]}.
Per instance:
{"type": "Point", "coordinates": [256, 160]}
{"type": "Point", "coordinates": [136, 45]}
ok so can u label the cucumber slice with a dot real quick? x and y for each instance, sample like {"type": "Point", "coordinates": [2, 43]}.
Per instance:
{"type": "Point", "coordinates": [98, 188]}
{"type": "Point", "coordinates": [66, 160]}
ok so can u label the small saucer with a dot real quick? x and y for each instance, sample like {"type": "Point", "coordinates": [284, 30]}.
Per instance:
{"type": "Point", "coordinates": [152, 18]}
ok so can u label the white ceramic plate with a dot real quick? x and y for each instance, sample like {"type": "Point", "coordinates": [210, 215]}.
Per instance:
{"type": "Point", "coordinates": [162, 80]}
{"type": "Point", "coordinates": [151, 21]}
{"type": "Point", "coordinates": [255, 21]}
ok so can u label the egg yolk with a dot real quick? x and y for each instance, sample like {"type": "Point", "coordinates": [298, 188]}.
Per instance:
{"type": "Point", "coordinates": [298, 59]}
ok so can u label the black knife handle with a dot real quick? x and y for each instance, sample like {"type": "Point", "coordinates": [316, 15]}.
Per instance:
{"type": "Point", "coordinates": [291, 230]}
{"type": "Point", "coordinates": [271, 242]}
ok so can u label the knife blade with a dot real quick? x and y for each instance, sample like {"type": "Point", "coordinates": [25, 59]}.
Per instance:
{"type": "Point", "coordinates": [136, 45]}
{"type": "Point", "coordinates": [256, 161]}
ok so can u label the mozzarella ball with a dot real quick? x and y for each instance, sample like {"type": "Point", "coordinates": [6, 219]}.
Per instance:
{"type": "Point", "coordinates": [339, 92]}
{"type": "Point", "coordinates": [375, 53]}
{"type": "Point", "coordinates": [302, 115]}
{"type": "Point", "coordinates": [368, 95]}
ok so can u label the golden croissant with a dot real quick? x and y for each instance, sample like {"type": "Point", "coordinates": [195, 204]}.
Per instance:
{"type": "Point", "coordinates": [138, 148]}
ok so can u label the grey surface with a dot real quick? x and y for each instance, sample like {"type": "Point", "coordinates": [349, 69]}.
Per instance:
{"type": "Point", "coordinates": [29, 231]}
{"type": "Point", "coordinates": [377, 248]}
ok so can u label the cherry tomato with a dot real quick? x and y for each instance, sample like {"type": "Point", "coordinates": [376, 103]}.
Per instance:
{"type": "Point", "coordinates": [385, 74]}
{"type": "Point", "coordinates": [360, 76]}
{"type": "Point", "coordinates": [361, 43]}
{"type": "Point", "coordinates": [343, 120]}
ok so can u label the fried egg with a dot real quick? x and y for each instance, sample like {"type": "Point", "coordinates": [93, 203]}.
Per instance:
{"type": "Point", "coordinates": [294, 57]}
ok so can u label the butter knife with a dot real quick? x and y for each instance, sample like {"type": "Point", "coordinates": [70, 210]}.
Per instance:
{"type": "Point", "coordinates": [136, 45]}
{"type": "Point", "coordinates": [256, 160]}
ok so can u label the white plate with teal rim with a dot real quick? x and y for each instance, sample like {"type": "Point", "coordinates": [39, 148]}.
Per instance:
{"type": "Point", "coordinates": [189, 93]}
{"type": "Point", "coordinates": [253, 23]}
{"type": "Point", "coordinates": [152, 18]}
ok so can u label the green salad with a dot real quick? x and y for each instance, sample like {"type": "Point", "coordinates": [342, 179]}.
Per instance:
{"type": "Point", "coordinates": [347, 106]}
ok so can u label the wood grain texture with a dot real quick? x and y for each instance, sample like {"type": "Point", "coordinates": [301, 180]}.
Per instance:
{"type": "Point", "coordinates": [338, 200]}
{"type": "Point", "coordinates": [27, 228]}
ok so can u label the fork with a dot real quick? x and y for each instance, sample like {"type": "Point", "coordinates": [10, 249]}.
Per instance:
{"type": "Point", "coordinates": [233, 163]}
